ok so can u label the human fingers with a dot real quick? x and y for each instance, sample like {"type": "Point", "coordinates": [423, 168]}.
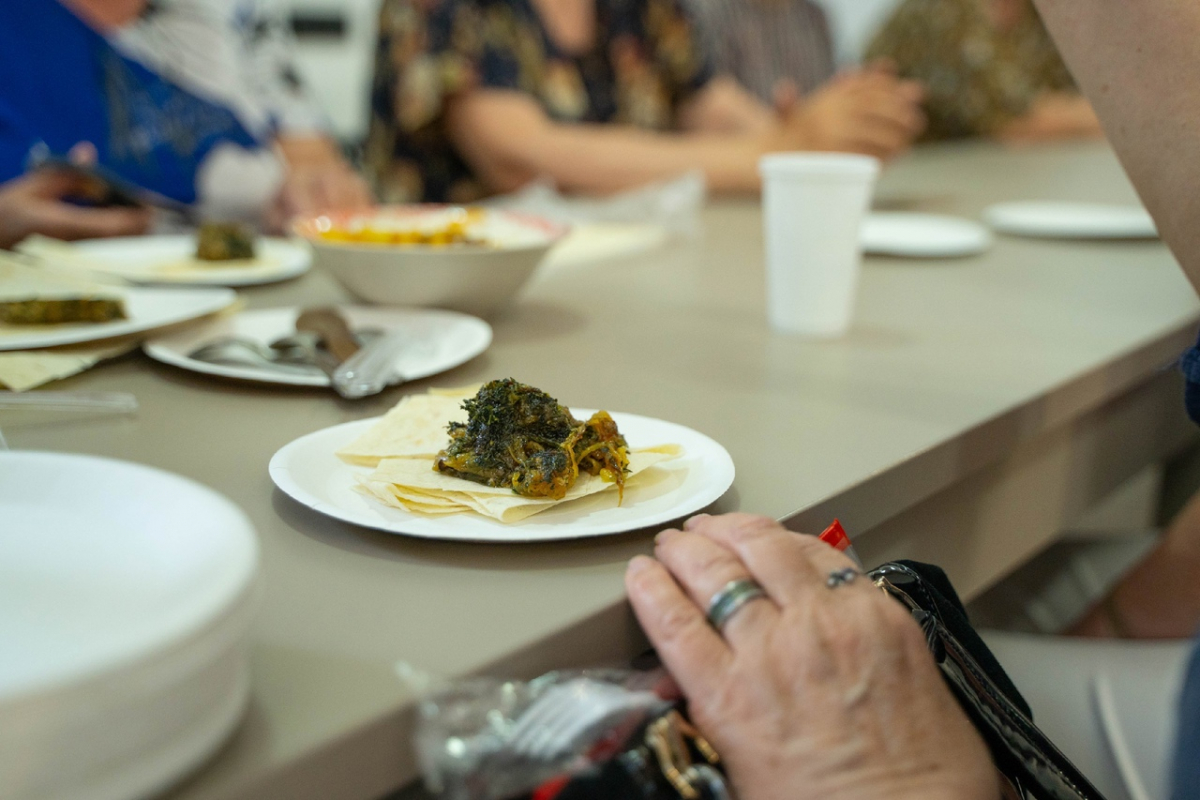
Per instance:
{"type": "Point", "coordinates": [884, 132]}
{"type": "Point", "coordinates": [891, 107]}
{"type": "Point", "coordinates": [704, 568]}
{"type": "Point", "coordinates": [788, 565]}
{"type": "Point", "coordinates": [358, 194]}
{"type": "Point", "coordinates": [884, 65]}
{"type": "Point", "coordinates": [691, 650]}
{"type": "Point", "coordinates": [83, 154]}
{"type": "Point", "coordinates": [65, 221]}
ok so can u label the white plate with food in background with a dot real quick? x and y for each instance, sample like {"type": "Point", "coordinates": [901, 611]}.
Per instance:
{"type": "Point", "coordinates": [1061, 220]}
{"type": "Point", "coordinates": [172, 259]}
{"type": "Point", "coordinates": [145, 309]}
{"type": "Point", "coordinates": [441, 340]}
{"type": "Point", "coordinates": [910, 235]}
{"type": "Point", "coordinates": [310, 472]}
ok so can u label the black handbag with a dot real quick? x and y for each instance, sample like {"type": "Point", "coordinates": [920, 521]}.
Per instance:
{"type": "Point", "coordinates": [1026, 756]}
{"type": "Point", "coordinates": [667, 759]}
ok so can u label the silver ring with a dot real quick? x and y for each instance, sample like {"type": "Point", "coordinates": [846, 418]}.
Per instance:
{"type": "Point", "coordinates": [840, 577]}
{"type": "Point", "coordinates": [731, 598]}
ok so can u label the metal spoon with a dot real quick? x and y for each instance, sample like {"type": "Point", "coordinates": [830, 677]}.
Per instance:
{"type": "Point", "coordinates": [236, 352]}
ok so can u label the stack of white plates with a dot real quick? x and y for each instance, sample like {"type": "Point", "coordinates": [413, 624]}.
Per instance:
{"type": "Point", "coordinates": [125, 601]}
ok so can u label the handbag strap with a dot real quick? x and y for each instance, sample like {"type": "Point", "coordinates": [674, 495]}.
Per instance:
{"type": "Point", "coordinates": [1020, 749]}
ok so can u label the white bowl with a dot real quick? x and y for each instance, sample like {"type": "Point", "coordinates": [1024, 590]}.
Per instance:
{"type": "Point", "coordinates": [473, 278]}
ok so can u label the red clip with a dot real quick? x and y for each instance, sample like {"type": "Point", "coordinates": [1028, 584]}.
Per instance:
{"type": "Point", "coordinates": [835, 536]}
{"type": "Point", "coordinates": [551, 788]}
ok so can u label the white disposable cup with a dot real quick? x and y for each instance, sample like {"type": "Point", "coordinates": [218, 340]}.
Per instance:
{"type": "Point", "coordinates": [813, 207]}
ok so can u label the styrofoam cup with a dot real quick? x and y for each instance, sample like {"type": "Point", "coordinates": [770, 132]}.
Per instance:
{"type": "Point", "coordinates": [813, 206]}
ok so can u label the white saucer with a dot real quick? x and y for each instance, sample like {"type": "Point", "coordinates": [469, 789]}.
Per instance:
{"type": "Point", "coordinates": [170, 259]}
{"type": "Point", "coordinates": [1054, 220]}
{"type": "Point", "coordinates": [909, 235]}
{"type": "Point", "coordinates": [441, 340]}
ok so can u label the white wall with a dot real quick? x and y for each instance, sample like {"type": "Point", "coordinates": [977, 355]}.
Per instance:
{"type": "Point", "coordinates": [338, 71]}
{"type": "Point", "coordinates": [854, 23]}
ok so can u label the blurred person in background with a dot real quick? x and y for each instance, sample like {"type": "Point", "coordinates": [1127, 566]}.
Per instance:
{"type": "Point", "coordinates": [477, 97]}
{"type": "Point", "coordinates": [779, 50]}
{"type": "Point", "coordinates": [989, 68]}
{"type": "Point", "coordinates": [177, 98]}
{"type": "Point", "coordinates": [782, 52]}
{"type": "Point", "coordinates": [1158, 598]}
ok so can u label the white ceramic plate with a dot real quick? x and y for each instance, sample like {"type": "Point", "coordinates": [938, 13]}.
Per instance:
{"type": "Point", "coordinates": [1071, 220]}
{"type": "Point", "coordinates": [170, 259]}
{"type": "Point", "coordinates": [310, 473]}
{"type": "Point", "coordinates": [899, 233]}
{"type": "Point", "coordinates": [147, 308]}
{"type": "Point", "coordinates": [441, 340]}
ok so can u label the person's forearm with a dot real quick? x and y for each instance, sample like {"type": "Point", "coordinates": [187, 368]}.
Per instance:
{"type": "Point", "coordinates": [307, 148]}
{"type": "Point", "coordinates": [723, 106]}
{"type": "Point", "coordinates": [1138, 61]}
{"type": "Point", "coordinates": [508, 141]}
{"type": "Point", "coordinates": [1054, 115]}
{"type": "Point", "coordinates": [600, 159]}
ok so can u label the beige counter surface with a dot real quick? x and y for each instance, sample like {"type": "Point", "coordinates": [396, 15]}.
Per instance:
{"type": "Point", "coordinates": [951, 366]}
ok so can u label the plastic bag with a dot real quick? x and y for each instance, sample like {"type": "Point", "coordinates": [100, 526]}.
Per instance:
{"type": "Point", "coordinates": [485, 739]}
{"type": "Point", "coordinates": [673, 205]}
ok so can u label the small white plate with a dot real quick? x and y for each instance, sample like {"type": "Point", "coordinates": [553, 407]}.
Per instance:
{"type": "Point", "coordinates": [311, 474]}
{"type": "Point", "coordinates": [146, 309]}
{"type": "Point", "coordinates": [441, 340]}
{"type": "Point", "coordinates": [899, 233]}
{"type": "Point", "coordinates": [171, 259]}
{"type": "Point", "coordinates": [1052, 220]}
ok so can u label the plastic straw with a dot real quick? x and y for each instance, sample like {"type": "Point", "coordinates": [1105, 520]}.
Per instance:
{"type": "Point", "coordinates": [116, 402]}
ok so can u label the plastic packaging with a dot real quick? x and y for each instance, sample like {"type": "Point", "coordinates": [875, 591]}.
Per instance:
{"type": "Point", "coordinates": [114, 402]}
{"type": "Point", "coordinates": [486, 739]}
{"type": "Point", "coordinates": [674, 205]}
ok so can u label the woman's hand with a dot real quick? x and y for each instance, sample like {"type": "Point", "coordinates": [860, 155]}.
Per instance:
{"type": "Point", "coordinates": [318, 179]}
{"type": "Point", "coordinates": [1053, 116]}
{"type": "Point", "coordinates": [36, 203]}
{"type": "Point", "coordinates": [812, 693]}
{"type": "Point", "coordinates": [870, 111]}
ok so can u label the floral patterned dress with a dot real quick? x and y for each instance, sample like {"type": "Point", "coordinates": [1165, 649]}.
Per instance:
{"type": "Point", "coordinates": [977, 78]}
{"type": "Point", "coordinates": [647, 61]}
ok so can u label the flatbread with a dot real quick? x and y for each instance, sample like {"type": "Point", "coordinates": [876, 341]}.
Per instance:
{"type": "Point", "coordinates": [402, 447]}
{"type": "Point", "coordinates": [413, 485]}
{"type": "Point", "coordinates": [20, 280]}
{"type": "Point", "coordinates": [414, 428]}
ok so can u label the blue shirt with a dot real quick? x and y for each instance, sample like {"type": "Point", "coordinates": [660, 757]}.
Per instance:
{"type": "Point", "coordinates": [62, 83]}
{"type": "Point", "coordinates": [1186, 776]}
